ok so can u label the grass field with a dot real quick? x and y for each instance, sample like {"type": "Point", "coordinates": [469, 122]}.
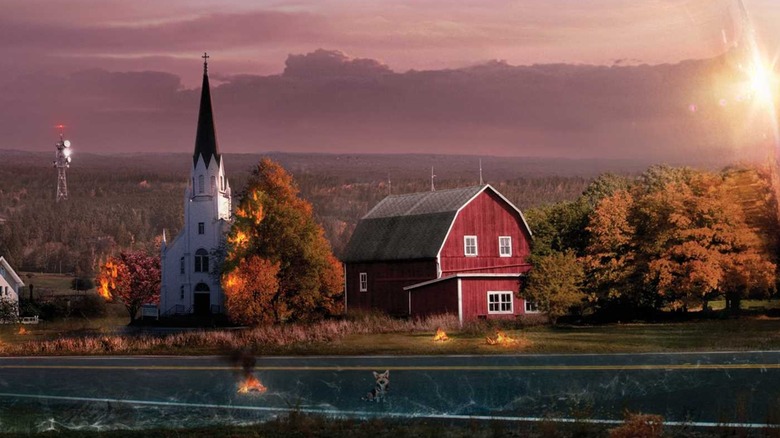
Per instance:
{"type": "Point", "coordinates": [97, 336]}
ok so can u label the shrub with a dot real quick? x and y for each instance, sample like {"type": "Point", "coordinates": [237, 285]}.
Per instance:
{"type": "Point", "coordinates": [639, 426]}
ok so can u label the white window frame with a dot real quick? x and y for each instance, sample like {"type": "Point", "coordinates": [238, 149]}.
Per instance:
{"type": "Point", "coordinates": [501, 294]}
{"type": "Point", "coordinates": [363, 282]}
{"type": "Point", "coordinates": [466, 246]}
{"type": "Point", "coordinates": [501, 247]}
{"type": "Point", "coordinates": [526, 304]}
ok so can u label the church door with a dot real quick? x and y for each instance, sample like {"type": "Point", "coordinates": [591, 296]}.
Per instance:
{"type": "Point", "coordinates": [202, 300]}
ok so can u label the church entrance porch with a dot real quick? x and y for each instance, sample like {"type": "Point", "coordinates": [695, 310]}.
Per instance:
{"type": "Point", "coordinates": [201, 303]}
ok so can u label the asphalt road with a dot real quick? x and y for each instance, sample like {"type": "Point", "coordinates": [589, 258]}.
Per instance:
{"type": "Point", "coordinates": [142, 392]}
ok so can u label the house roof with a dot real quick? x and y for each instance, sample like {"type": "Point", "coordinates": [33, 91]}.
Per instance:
{"type": "Point", "coordinates": [410, 227]}
{"type": "Point", "coordinates": [4, 263]}
{"type": "Point", "coordinates": [206, 137]}
{"type": "Point", "coordinates": [452, 277]}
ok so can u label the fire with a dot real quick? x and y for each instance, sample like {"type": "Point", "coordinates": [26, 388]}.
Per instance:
{"type": "Point", "coordinates": [251, 383]}
{"type": "Point", "coordinates": [440, 336]}
{"type": "Point", "coordinates": [103, 289]}
{"type": "Point", "coordinates": [22, 331]}
{"type": "Point", "coordinates": [501, 339]}
{"type": "Point", "coordinates": [107, 279]}
{"type": "Point", "coordinates": [240, 239]}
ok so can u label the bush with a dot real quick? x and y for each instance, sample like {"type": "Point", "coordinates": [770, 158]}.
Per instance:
{"type": "Point", "coordinates": [639, 426]}
{"type": "Point", "coordinates": [88, 306]}
{"type": "Point", "coordinates": [9, 310]}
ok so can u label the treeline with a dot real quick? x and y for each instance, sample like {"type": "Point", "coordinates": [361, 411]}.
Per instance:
{"type": "Point", "coordinates": [124, 203]}
{"type": "Point", "coordinates": [671, 239]}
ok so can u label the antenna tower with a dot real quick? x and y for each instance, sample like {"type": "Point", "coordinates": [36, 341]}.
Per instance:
{"type": "Point", "coordinates": [62, 162]}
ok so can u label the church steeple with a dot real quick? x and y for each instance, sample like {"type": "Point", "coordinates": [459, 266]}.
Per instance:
{"type": "Point", "coordinates": [206, 137]}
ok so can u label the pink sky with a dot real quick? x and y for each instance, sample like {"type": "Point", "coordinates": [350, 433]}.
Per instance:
{"type": "Point", "coordinates": [137, 62]}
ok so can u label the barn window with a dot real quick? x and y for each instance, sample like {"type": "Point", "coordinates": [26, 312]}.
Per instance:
{"type": "Point", "coordinates": [363, 282]}
{"type": "Point", "coordinates": [500, 302]}
{"type": "Point", "coordinates": [201, 260]}
{"type": "Point", "coordinates": [470, 246]}
{"type": "Point", "coordinates": [531, 307]}
{"type": "Point", "coordinates": [505, 246]}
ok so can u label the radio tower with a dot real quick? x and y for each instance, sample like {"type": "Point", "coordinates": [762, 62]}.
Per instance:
{"type": "Point", "coordinates": [61, 163]}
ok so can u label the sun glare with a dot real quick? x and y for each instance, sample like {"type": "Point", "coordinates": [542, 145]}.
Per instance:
{"type": "Point", "coordinates": [761, 81]}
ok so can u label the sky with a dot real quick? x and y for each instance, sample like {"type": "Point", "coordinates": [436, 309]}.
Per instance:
{"type": "Point", "coordinates": [550, 78]}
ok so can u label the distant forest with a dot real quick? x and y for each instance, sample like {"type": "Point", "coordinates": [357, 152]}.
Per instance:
{"type": "Point", "coordinates": [125, 201]}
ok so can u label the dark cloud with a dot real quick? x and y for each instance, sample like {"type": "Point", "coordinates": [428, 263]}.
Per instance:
{"type": "Point", "coordinates": [326, 101]}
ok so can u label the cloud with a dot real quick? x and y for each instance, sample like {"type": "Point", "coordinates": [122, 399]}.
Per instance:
{"type": "Point", "coordinates": [331, 63]}
{"type": "Point", "coordinates": [327, 101]}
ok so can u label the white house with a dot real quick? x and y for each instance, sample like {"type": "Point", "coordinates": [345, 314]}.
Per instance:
{"type": "Point", "coordinates": [10, 283]}
{"type": "Point", "coordinates": [189, 284]}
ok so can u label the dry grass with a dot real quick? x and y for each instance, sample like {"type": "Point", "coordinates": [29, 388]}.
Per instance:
{"type": "Point", "coordinates": [264, 338]}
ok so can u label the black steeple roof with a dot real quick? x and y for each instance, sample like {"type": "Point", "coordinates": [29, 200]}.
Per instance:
{"type": "Point", "coordinates": [206, 137]}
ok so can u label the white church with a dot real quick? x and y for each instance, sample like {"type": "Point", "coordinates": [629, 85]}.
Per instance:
{"type": "Point", "coordinates": [189, 282]}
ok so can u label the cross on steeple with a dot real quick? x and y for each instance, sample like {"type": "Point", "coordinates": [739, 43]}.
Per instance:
{"type": "Point", "coordinates": [205, 62]}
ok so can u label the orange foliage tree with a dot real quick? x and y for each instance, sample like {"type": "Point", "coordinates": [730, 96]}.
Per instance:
{"type": "Point", "coordinates": [274, 234]}
{"type": "Point", "coordinates": [679, 238]}
{"type": "Point", "coordinates": [133, 278]}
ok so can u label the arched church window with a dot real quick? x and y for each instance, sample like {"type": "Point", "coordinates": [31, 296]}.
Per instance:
{"type": "Point", "coordinates": [213, 184]}
{"type": "Point", "coordinates": [201, 184]}
{"type": "Point", "coordinates": [181, 265]}
{"type": "Point", "coordinates": [202, 287]}
{"type": "Point", "coordinates": [201, 260]}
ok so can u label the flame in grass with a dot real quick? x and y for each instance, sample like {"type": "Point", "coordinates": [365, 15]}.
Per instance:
{"type": "Point", "coordinates": [22, 331]}
{"type": "Point", "coordinates": [440, 336]}
{"type": "Point", "coordinates": [251, 384]}
{"type": "Point", "coordinates": [502, 339]}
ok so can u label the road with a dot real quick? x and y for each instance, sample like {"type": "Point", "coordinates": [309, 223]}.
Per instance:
{"type": "Point", "coordinates": [143, 391]}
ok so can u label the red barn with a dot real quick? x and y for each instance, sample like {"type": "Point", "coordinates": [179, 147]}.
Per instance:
{"type": "Point", "coordinates": [461, 251]}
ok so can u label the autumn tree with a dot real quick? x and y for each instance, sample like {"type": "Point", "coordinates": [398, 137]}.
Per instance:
{"type": "Point", "coordinates": [131, 277]}
{"type": "Point", "coordinates": [249, 290]}
{"type": "Point", "coordinates": [678, 238]}
{"type": "Point", "coordinates": [610, 258]}
{"type": "Point", "coordinates": [274, 234]}
{"type": "Point", "coordinates": [554, 284]}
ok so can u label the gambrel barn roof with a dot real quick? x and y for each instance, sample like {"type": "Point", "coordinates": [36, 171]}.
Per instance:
{"type": "Point", "coordinates": [412, 226]}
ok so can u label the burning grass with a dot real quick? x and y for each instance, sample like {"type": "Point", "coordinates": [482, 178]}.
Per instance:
{"type": "Point", "coordinates": [440, 336]}
{"type": "Point", "coordinates": [502, 338]}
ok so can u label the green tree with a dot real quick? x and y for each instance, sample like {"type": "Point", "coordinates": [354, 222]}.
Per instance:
{"type": "Point", "coordinates": [81, 284]}
{"type": "Point", "coordinates": [555, 283]}
{"type": "Point", "coordinates": [274, 224]}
